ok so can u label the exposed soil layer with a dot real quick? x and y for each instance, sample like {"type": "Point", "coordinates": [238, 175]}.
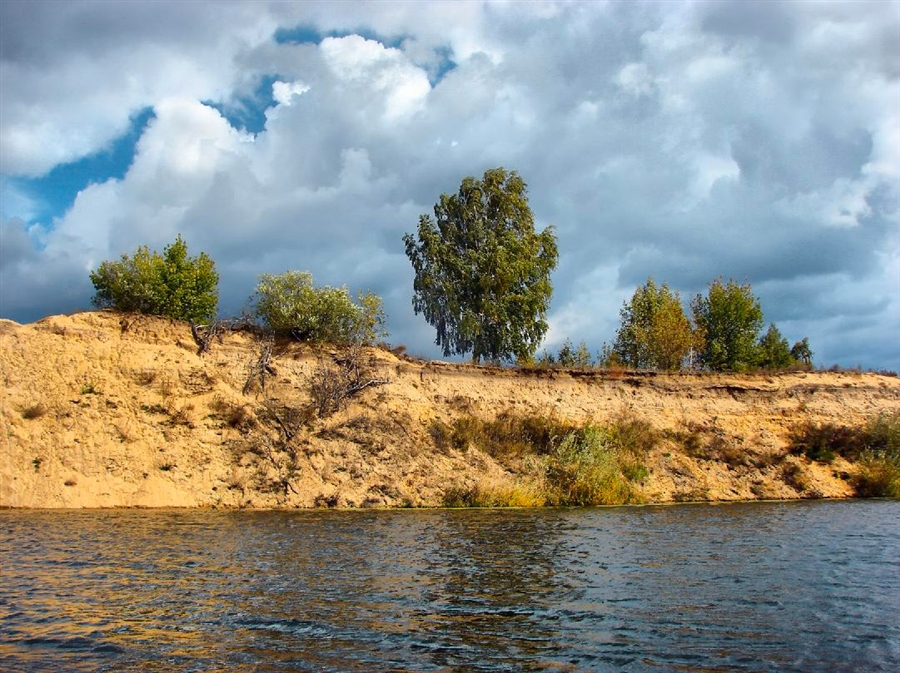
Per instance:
{"type": "Point", "coordinates": [100, 409]}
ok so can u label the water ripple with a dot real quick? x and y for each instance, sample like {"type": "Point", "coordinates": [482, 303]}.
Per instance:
{"type": "Point", "coordinates": [754, 587]}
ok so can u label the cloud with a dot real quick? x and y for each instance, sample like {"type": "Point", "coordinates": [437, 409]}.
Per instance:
{"type": "Point", "coordinates": [683, 141]}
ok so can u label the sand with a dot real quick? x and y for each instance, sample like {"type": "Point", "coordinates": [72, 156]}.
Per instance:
{"type": "Point", "coordinates": [100, 409]}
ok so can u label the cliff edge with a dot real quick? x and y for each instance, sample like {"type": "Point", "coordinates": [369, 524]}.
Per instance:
{"type": "Point", "coordinates": [101, 409]}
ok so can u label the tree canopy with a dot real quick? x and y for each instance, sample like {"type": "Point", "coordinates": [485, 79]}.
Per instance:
{"type": "Point", "coordinates": [728, 320]}
{"type": "Point", "coordinates": [291, 304]}
{"type": "Point", "coordinates": [171, 285]}
{"type": "Point", "coordinates": [482, 273]}
{"type": "Point", "coordinates": [801, 352]}
{"type": "Point", "coordinates": [773, 350]}
{"type": "Point", "coordinates": [655, 332]}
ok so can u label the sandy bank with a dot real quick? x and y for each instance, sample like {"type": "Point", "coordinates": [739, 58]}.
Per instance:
{"type": "Point", "coordinates": [103, 410]}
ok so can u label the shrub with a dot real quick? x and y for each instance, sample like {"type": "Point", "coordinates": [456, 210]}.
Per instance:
{"type": "Point", "coordinates": [332, 385]}
{"type": "Point", "coordinates": [171, 285]}
{"type": "Point", "coordinates": [876, 447]}
{"type": "Point", "coordinates": [566, 464]}
{"type": "Point", "coordinates": [878, 476]}
{"type": "Point", "coordinates": [825, 441]}
{"type": "Point", "coordinates": [879, 465]}
{"type": "Point", "coordinates": [793, 475]}
{"type": "Point", "coordinates": [289, 303]}
{"type": "Point", "coordinates": [509, 435]}
{"type": "Point", "coordinates": [584, 470]}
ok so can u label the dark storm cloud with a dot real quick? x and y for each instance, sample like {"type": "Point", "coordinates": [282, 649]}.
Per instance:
{"type": "Point", "coordinates": [757, 141]}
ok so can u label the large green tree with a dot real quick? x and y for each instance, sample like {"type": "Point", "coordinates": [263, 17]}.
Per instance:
{"type": "Point", "coordinates": [655, 332]}
{"type": "Point", "coordinates": [171, 284]}
{"type": "Point", "coordinates": [728, 319]}
{"type": "Point", "coordinates": [482, 273]}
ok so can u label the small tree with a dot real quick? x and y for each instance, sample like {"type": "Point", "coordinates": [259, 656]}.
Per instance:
{"type": "Point", "coordinates": [482, 273]}
{"type": "Point", "coordinates": [574, 358]}
{"type": "Point", "coordinates": [583, 358]}
{"type": "Point", "coordinates": [172, 284]}
{"type": "Point", "coordinates": [801, 352]}
{"type": "Point", "coordinates": [773, 350]}
{"type": "Point", "coordinates": [728, 319]}
{"type": "Point", "coordinates": [655, 332]}
{"type": "Point", "coordinates": [289, 303]}
{"type": "Point", "coordinates": [566, 355]}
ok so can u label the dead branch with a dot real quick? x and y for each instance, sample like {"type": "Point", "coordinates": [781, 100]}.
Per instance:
{"type": "Point", "coordinates": [261, 367]}
{"type": "Point", "coordinates": [332, 385]}
{"type": "Point", "coordinates": [204, 334]}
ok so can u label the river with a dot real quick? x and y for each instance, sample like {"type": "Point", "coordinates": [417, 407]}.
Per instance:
{"type": "Point", "coordinates": [805, 586]}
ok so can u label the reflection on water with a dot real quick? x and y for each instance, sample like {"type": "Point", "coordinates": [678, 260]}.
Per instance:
{"type": "Point", "coordinates": [776, 586]}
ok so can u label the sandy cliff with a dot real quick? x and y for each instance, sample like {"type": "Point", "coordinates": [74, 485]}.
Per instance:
{"type": "Point", "coordinates": [104, 410]}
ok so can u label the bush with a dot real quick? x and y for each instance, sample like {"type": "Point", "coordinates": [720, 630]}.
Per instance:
{"type": "Point", "coordinates": [876, 447]}
{"type": "Point", "coordinates": [878, 477]}
{"type": "Point", "coordinates": [565, 464]}
{"type": "Point", "coordinates": [825, 441]}
{"type": "Point", "coordinates": [879, 469]}
{"type": "Point", "coordinates": [584, 469]}
{"type": "Point", "coordinates": [509, 435]}
{"type": "Point", "coordinates": [290, 304]}
{"type": "Point", "coordinates": [171, 285]}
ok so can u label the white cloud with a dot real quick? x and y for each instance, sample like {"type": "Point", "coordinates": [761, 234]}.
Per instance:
{"type": "Point", "coordinates": [379, 71]}
{"type": "Point", "coordinates": [284, 92]}
{"type": "Point", "coordinates": [685, 141]}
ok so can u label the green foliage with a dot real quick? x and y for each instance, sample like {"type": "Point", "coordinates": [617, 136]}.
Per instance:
{"type": "Point", "coordinates": [879, 465]}
{"type": "Point", "coordinates": [583, 358]}
{"type": "Point", "coordinates": [573, 358]}
{"type": "Point", "coordinates": [878, 477]}
{"type": "Point", "coordinates": [655, 332]}
{"type": "Point", "coordinates": [826, 441]}
{"type": "Point", "coordinates": [876, 447]}
{"type": "Point", "coordinates": [171, 285]}
{"type": "Point", "coordinates": [566, 355]}
{"type": "Point", "coordinates": [289, 303]}
{"type": "Point", "coordinates": [801, 352]}
{"type": "Point", "coordinates": [773, 350]}
{"type": "Point", "coordinates": [482, 273]}
{"type": "Point", "coordinates": [585, 468]}
{"type": "Point", "coordinates": [564, 464]}
{"type": "Point", "coordinates": [728, 320]}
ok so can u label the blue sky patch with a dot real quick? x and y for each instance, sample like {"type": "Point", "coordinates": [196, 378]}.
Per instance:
{"type": "Point", "coordinates": [445, 65]}
{"type": "Point", "coordinates": [305, 34]}
{"type": "Point", "coordinates": [54, 193]}
{"type": "Point", "coordinates": [248, 113]}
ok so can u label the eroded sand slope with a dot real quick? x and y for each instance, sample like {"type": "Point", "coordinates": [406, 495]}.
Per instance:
{"type": "Point", "coordinates": [103, 410]}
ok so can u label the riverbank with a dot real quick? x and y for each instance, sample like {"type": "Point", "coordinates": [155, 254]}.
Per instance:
{"type": "Point", "coordinates": [98, 409]}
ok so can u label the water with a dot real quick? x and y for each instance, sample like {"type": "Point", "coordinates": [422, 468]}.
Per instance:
{"type": "Point", "coordinates": [757, 587]}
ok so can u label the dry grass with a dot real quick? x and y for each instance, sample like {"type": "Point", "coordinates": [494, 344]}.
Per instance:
{"type": "Point", "coordinates": [875, 446]}
{"type": "Point", "coordinates": [513, 494]}
{"type": "Point", "coordinates": [563, 464]}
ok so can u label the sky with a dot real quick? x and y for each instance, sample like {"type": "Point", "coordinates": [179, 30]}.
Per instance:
{"type": "Point", "coordinates": [680, 140]}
